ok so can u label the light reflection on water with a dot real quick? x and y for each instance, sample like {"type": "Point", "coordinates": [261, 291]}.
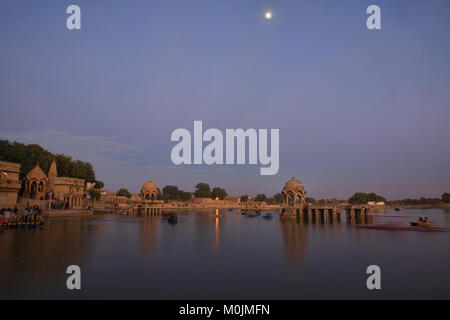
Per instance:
{"type": "Point", "coordinates": [225, 256]}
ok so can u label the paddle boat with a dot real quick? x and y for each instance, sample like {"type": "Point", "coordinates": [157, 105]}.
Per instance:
{"type": "Point", "coordinates": [423, 222]}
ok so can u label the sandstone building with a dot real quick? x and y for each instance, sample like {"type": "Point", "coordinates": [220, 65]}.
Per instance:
{"type": "Point", "coordinates": [67, 191]}
{"type": "Point", "coordinates": [9, 183]}
{"type": "Point", "coordinates": [294, 193]}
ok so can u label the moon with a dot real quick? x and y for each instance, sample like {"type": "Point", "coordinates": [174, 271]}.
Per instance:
{"type": "Point", "coordinates": [268, 15]}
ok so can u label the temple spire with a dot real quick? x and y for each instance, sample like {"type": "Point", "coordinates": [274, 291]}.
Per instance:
{"type": "Point", "coordinates": [53, 171]}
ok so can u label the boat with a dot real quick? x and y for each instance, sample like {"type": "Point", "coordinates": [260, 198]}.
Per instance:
{"type": "Point", "coordinates": [13, 225]}
{"type": "Point", "coordinates": [267, 215]}
{"type": "Point", "coordinates": [423, 222]}
{"type": "Point", "coordinates": [397, 209]}
{"type": "Point", "coordinates": [173, 219]}
{"type": "Point", "coordinates": [252, 215]}
{"type": "Point", "coordinates": [391, 227]}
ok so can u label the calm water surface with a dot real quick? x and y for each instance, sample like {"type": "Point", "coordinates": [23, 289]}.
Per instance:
{"type": "Point", "coordinates": [232, 257]}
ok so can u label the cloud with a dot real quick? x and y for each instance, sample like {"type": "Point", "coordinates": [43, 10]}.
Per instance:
{"type": "Point", "coordinates": [115, 163]}
{"type": "Point", "coordinates": [127, 165]}
{"type": "Point", "coordinates": [78, 146]}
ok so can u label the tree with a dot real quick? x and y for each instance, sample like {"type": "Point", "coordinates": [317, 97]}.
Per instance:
{"type": "Point", "coordinates": [29, 155]}
{"type": "Point", "coordinates": [171, 192]}
{"type": "Point", "coordinates": [358, 198]}
{"type": "Point", "coordinates": [244, 198]}
{"type": "Point", "coordinates": [98, 184]}
{"type": "Point", "coordinates": [278, 198]}
{"type": "Point", "coordinates": [185, 196]}
{"type": "Point", "coordinates": [123, 193]}
{"type": "Point", "coordinates": [260, 197]}
{"type": "Point", "coordinates": [363, 198]}
{"type": "Point", "coordinates": [163, 197]}
{"type": "Point", "coordinates": [373, 197]}
{"type": "Point", "coordinates": [219, 193]}
{"type": "Point", "coordinates": [203, 190]}
{"type": "Point", "coordinates": [446, 197]}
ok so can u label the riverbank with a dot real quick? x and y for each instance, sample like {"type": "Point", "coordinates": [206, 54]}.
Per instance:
{"type": "Point", "coordinates": [445, 206]}
{"type": "Point", "coordinates": [68, 213]}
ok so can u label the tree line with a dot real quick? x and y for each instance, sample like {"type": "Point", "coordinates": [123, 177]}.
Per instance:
{"type": "Point", "coordinates": [29, 155]}
{"type": "Point", "coordinates": [203, 190]}
{"type": "Point", "coordinates": [363, 198]}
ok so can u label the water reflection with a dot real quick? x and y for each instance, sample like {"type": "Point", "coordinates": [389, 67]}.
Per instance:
{"type": "Point", "coordinates": [360, 219]}
{"type": "Point", "coordinates": [26, 252]}
{"type": "Point", "coordinates": [136, 258]}
{"type": "Point", "coordinates": [294, 239]}
{"type": "Point", "coordinates": [148, 234]}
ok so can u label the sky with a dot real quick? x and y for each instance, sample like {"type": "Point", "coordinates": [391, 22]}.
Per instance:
{"type": "Point", "coordinates": [358, 110]}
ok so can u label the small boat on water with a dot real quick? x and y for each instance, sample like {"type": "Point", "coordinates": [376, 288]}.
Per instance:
{"type": "Point", "coordinates": [267, 215]}
{"type": "Point", "coordinates": [423, 222]}
{"type": "Point", "coordinates": [397, 209]}
{"type": "Point", "coordinates": [172, 219]}
{"type": "Point", "coordinates": [252, 215]}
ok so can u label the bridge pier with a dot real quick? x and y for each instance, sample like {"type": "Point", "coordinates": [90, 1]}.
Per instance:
{"type": "Point", "coordinates": [357, 214]}
{"type": "Point", "coordinates": [317, 214]}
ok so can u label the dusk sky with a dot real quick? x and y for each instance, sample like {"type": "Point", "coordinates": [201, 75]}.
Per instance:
{"type": "Point", "coordinates": [358, 109]}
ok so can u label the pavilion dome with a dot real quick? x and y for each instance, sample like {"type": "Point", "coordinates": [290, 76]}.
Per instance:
{"type": "Point", "coordinates": [149, 187]}
{"type": "Point", "coordinates": [294, 185]}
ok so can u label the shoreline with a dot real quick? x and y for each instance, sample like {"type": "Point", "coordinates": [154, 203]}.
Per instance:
{"type": "Point", "coordinates": [209, 208]}
{"type": "Point", "coordinates": [445, 206]}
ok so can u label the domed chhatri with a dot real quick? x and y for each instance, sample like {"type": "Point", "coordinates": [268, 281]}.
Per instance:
{"type": "Point", "coordinates": [149, 191]}
{"type": "Point", "coordinates": [294, 192]}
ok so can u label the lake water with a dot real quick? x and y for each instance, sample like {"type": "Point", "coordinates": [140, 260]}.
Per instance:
{"type": "Point", "coordinates": [232, 257]}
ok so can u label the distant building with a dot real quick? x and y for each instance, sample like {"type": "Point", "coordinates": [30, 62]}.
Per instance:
{"type": "Point", "coordinates": [112, 200]}
{"type": "Point", "coordinates": [68, 191]}
{"type": "Point", "coordinates": [376, 204]}
{"type": "Point", "coordinates": [9, 183]}
{"type": "Point", "coordinates": [236, 200]}
{"type": "Point", "coordinates": [204, 200]}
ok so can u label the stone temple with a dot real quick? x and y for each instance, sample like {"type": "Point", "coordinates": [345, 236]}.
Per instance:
{"type": "Point", "coordinates": [149, 191]}
{"type": "Point", "coordinates": [68, 191]}
{"type": "Point", "coordinates": [295, 206]}
{"type": "Point", "coordinates": [294, 193]}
